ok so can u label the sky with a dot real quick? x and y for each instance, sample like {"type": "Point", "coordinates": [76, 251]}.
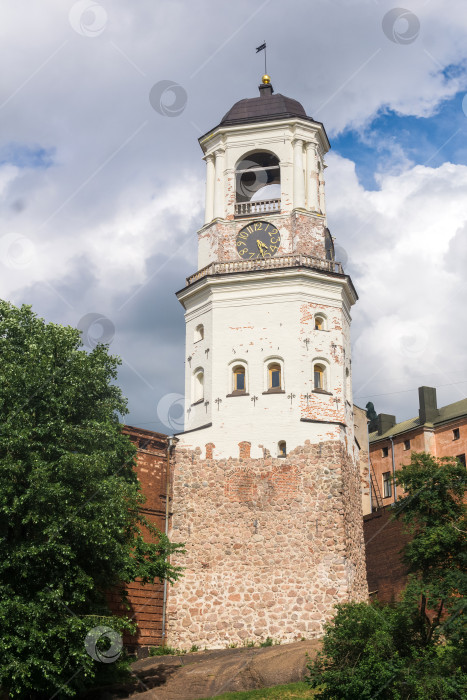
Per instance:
{"type": "Point", "coordinates": [102, 179]}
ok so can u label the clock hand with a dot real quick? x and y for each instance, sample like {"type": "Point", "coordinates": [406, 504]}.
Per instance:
{"type": "Point", "coordinates": [262, 247]}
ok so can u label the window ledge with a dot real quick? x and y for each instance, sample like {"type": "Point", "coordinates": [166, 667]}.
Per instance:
{"type": "Point", "coordinates": [274, 391]}
{"type": "Point", "coordinates": [237, 393]}
{"type": "Point", "coordinates": [321, 391]}
{"type": "Point", "coordinates": [198, 402]}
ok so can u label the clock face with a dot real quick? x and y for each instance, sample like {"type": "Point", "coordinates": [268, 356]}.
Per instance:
{"type": "Point", "coordinates": [258, 240]}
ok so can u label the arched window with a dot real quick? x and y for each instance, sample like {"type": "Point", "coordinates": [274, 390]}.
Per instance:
{"type": "Point", "coordinates": [199, 333]}
{"type": "Point", "coordinates": [239, 379]}
{"type": "Point", "coordinates": [257, 181]}
{"type": "Point", "coordinates": [319, 322]}
{"type": "Point", "coordinates": [274, 376]}
{"type": "Point", "coordinates": [198, 393]}
{"type": "Point", "coordinates": [282, 448]}
{"type": "Point", "coordinates": [319, 376]}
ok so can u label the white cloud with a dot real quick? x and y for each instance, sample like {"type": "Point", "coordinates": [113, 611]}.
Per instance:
{"type": "Point", "coordinates": [407, 256]}
{"type": "Point", "coordinates": [125, 188]}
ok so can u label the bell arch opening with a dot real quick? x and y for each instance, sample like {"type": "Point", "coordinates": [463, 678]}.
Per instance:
{"type": "Point", "coordinates": [257, 184]}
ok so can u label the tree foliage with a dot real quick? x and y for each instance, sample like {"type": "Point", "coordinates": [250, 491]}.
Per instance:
{"type": "Point", "coordinates": [70, 527]}
{"type": "Point", "coordinates": [434, 511]}
{"type": "Point", "coordinates": [415, 648]}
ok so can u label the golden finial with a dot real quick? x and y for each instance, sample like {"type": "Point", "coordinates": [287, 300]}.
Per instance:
{"type": "Point", "coordinates": [265, 79]}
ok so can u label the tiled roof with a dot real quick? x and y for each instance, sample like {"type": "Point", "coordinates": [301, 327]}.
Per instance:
{"type": "Point", "coordinates": [446, 413]}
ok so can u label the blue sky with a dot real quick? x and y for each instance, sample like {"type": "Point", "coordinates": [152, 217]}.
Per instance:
{"type": "Point", "coordinates": [429, 140]}
{"type": "Point", "coordinates": [23, 155]}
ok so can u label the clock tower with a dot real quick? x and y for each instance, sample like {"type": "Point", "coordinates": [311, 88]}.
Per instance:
{"type": "Point", "coordinates": [266, 491]}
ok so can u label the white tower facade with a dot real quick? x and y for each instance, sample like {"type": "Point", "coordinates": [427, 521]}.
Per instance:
{"type": "Point", "coordinates": [266, 484]}
{"type": "Point", "coordinates": [267, 316]}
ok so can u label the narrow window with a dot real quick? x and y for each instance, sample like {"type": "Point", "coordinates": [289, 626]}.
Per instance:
{"type": "Point", "coordinates": [456, 433]}
{"type": "Point", "coordinates": [319, 323]}
{"type": "Point", "coordinates": [239, 378]}
{"type": "Point", "coordinates": [274, 373]}
{"type": "Point", "coordinates": [387, 485]}
{"type": "Point", "coordinates": [199, 333]}
{"type": "Point", "coordinates": [199, 386]}
{"type": "Point", "coordinates": [282, 448]}
{"type": "Point", "coordinates": [318, 376]}
{"type": "Point", "coordinates": [385, 451]}
{"type": "Point", "coordinates": [406, 444]}
{"type": "Point", "coordinates": [461, 459]}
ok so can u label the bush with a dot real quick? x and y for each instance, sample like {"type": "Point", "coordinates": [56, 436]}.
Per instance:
{"type": "Point", "coordinates": [268, 642]}
{"type": "Point", "coordinates": [371, 650]}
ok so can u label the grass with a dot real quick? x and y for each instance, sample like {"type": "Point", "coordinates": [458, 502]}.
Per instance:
{"type": "Point", "coordinates": [167, 651]}
{"type": "Point", "coordinates": [277, 692]}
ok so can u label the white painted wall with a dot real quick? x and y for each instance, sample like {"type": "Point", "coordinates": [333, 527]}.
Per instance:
{"type": "Point", "coordinates": [260, 316]}
{"type": "Point", "coordinates": [253, 318]}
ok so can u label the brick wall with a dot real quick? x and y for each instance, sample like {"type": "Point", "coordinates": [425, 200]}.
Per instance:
{"type": "Point", "coordinates": [384, 539]}
{"type": "Point", "coordinates": [439, 441]}
{"type": "Point", "coordinates": [381, 464]}
{"type": "Point", "coordinates": [146, 601]}
{"type": "Point", "coordinates": [272, 544]}
{"type": "Point", "coordinates": [301, 232]}
{"type": "Point", "coordinates": [445, 443]}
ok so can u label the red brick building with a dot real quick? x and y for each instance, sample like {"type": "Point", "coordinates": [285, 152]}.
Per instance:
{"type": "Point", "coordinates": [442, 432]}
{"type": "Point", "coordinates": [146, 602]}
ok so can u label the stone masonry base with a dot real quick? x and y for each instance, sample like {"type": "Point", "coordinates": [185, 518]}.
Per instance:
{"type": "Point", "coordinates": [272, 545]}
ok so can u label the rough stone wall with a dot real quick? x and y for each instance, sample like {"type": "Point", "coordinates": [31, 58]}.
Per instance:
{"type": "Point", "coordinates": [272, 545]}
{"type": "Point", "coordinates": [353, 514]}
{"type": "Point", "coordinates": [361, 438]}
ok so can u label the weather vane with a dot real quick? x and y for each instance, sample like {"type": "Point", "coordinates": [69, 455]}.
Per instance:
{"type": "Point", "coordinates": [262, 48]}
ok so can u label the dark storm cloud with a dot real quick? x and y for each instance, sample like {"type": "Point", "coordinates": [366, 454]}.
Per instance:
{"type": "Point", "coordinates": [100, 205]}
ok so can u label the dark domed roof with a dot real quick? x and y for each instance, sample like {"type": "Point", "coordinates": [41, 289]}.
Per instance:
{"type": "Point", "coordinates": [264, 108]}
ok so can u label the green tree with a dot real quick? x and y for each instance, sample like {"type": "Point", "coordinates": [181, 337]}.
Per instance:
{"type": "Point", "coordinates": [434, 512]}
{"type": "Point", "coordinates": [415, 648]}
{"type": "Point", "coordinates": [70, 523]}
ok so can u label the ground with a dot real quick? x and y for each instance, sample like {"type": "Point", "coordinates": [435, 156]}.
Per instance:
{"type": "Point", "coordinates": [213, 673]}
